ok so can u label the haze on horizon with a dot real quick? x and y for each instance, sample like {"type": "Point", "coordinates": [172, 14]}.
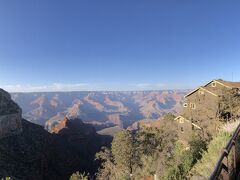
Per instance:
{"type": "Point", "coordinates": [117, 45]}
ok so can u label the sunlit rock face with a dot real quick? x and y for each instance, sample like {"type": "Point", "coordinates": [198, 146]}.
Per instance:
{"type": "Point", "coordinates": [10, 116]}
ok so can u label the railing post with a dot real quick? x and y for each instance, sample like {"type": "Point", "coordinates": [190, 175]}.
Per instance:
{"type": "Point", "coordinates": [234, 159]}
{"type": "Point", "coordinates": [228, 164]}
{"type": "Point", "coordinates": [225, 170]}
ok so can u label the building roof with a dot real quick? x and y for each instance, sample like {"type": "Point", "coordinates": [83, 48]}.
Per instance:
{"type": "Point", "coordinates": [206, 89]}
{"type": "Point", "coordinates": [181, 117]}
{"type": "Point", "coordinates": [227, 84]}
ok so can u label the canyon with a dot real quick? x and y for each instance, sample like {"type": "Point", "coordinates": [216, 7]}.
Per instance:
{"type": "Point", "coordinates": [28, 151]}
{"type": "Point", "coordinates": [101, 109]}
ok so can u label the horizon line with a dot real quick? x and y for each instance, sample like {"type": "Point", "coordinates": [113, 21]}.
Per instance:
{"type": "Point", "coordinates": [185, 89]}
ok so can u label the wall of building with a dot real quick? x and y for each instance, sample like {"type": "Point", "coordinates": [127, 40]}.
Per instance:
{"type": "Point", "coordinates": [205, 106]}
{"type": "Point", "coordinates": [185, 130]}
{"type": "Point", "coordinates": [219, 89]}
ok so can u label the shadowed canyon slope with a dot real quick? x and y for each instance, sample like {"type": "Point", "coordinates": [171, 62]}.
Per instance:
{"type": "Point", "coordinates": [100, 108]}
{"type": "Point", "coordinates": [27, 151]}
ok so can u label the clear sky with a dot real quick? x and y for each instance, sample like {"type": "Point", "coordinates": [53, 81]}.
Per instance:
{"type": "Point", "coordinates": [48, 45]}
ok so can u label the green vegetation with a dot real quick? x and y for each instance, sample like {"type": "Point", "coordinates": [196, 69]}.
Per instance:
{"type": "Point", "coordinates": [229, 105]}
{"type": "Point", "coordinates": [7, 178]}
{"type": "Point", "coordinates": [142, 154]}
{"type": "Point", "coordinates": [123, 152]}
{"type": "Point", "coordinates": [150, 151]}
{"type": "Point", "coordinates": [158, 151]}
{"type": "Point", "coordinates": [182, 164]}
{"type": "Point", "coordinates": [204, 167]}
{"type": "Point", "coordinates": [117, 162]}
{"type": "Point", "coordinates": [79, 176]}
{"type": "Point", "coordinates": [184, 159]}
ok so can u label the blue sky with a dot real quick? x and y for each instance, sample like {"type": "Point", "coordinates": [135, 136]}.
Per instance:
{"type": "Point", "coordinates": [50, 45]}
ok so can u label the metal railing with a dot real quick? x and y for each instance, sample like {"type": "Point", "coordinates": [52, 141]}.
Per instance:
{"type": "Point", "coordinates": [228, 165]}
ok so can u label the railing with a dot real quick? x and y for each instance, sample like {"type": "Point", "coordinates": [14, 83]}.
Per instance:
{"type": "Point", "coordinates": [228, 164]}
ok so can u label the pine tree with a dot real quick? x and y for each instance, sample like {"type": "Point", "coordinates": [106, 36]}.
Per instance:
{"type": "Point", "coordinates": [123, 154]}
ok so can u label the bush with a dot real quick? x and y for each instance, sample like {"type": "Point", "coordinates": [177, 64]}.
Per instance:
{"type": "Point", "coordinates": [79, 176]}
{"type": "Point", "coordinates": [205, 166]}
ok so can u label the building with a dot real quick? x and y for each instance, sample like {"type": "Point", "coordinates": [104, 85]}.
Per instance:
{"type": "Point", "coordinates": [201, 106]}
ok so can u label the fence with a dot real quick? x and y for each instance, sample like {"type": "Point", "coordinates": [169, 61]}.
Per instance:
{"type": "Point", "coordinates": [228, 165]}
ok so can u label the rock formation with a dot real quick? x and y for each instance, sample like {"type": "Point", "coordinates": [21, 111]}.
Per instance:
{"type": "Point", "coordinates": [27, 151]}
{"type": "Point", "coordinates": [75, 125]}
{"type": "Point", "coordinates": [118, 108]}
{"type": "Point", "coordinates": [10, 116]}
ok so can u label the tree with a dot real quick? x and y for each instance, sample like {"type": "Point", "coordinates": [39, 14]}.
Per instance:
{"type": "Point", "coordinates": [141, 154]}
{"type": "Point", "coordinates": [183, 160]}
{"type": "Point", "coordinates": [117, 162]}
{"type": "Point", "coordinates": [169, 117]}
{"type": "Point", "coordinates": [123, 154]}
{"type": "Point", "coordinates": [155, 148]}
{"type": "Point", "coordinates": [181, 164]}
{"type": "Point", "coordinates": [229, 105]}
{"type": "Point", "coordinates": [197, 146]}
{"type": "Point", "coordinates": [107, 169]}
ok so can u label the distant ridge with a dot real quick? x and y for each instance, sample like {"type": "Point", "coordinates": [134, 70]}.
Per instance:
{"type": "Point", "coordinates": [106, 107]}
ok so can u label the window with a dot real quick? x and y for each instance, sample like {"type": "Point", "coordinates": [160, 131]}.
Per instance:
{"type": "Point", "coordinates": [182, 129]}
{"type": "Point", "coordinates": [185, 105]}
{"type": "Point", "coordinates": [192, 105]}
{"type": "Point", "coordinates": [201, 92]}
{"type": "Point", "coordinates": [181, 120]}
{"type": "Point", "coordinates": [192, 127]}
{"type": "Point", "coordinates": [213, 84]}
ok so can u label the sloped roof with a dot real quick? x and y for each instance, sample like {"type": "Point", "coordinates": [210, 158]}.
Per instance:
{"type": "Point", "coordinates": [202, 88]}
{"type": "Point", "coordinates": [229, 83]}
{"type": "Point", "coordinates": [207, 89]}
{"type": "Point", "coordinates": [180, 116]}
{"type": "Point", "coordinates": [193, 91]}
